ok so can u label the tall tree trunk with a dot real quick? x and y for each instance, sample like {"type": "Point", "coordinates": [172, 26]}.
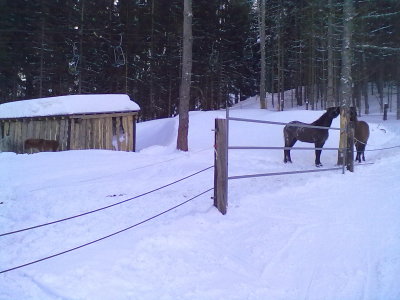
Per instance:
{"type": "Point", "coordinates": [330, 98]}
{"type": "Point", "coordinates": [41, 51]}
{"type": "Point", "coordinates": [345, 84]}
{"type": "Point", "coordinates": [153, 108]}
{"type": "Point", "coordinates": [380, 84]}
{"type": "Point", "coordinates": [300, 76]}
{"type": "Point", "coordinates": [261, 6]}
{"type": "Point", "coordinates": [280, 90]}
{"type": "Point", "coordinates": [80, 47]}
{"type": "Point", "coordinates": [184, 91]}
{"type": "Point", "coordinates": [365, 84]}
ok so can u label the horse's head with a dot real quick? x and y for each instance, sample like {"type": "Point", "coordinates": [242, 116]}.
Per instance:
{"type": "Point", "coordinates": [353, 114]}
{"type": "Point", "coordinates": [333, 112]}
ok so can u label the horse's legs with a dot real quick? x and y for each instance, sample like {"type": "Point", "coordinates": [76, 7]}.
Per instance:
{"type": "Point", "coordinates": [290, 144]}
{"type": "Point", "coordinates": [318, 154]}
{"type": "Point", "coordinates": [362, 152]}
{"type": "Point", "coordinates": [358, 156]}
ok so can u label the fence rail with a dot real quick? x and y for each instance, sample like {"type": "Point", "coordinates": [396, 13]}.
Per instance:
{"type": "Point", "coordinates": [281, 123]}
{"type": "Point", "coordinates": [280, 148]}
{"type": "Point", "coordinates": [284, 173]}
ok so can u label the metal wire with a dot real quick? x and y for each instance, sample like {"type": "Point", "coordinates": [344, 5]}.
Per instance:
{"type": "Point", "coordinates": [284, 173]}
{"type": "Point", "coordinates": [387, 148]}
{"type": "Point", "coordinates": [105, 237]}
{"type": "Point", "coordinates": [281, 123]}
{"type": "Point", "coordinates": [280, 148]}
{"type": "Point", "coordinates": [105, 207]}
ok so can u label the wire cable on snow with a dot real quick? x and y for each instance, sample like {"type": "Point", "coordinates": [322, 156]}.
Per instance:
{"type": "Point", "coordinates": [105, 207]}
{"type": "Point", "coordinates": [379, 149]}
{"type": "Point", "coordinates": [107, 236]}
{"type": "Point", "coordinates": [131, 170]}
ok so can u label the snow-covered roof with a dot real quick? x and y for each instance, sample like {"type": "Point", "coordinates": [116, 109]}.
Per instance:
{"type": "Point", "coordinates": [68, 105]}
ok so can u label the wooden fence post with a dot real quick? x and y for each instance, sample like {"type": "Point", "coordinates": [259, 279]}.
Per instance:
{"type": "Point", "coordinates": [350, 147]}
{"type": "Point", "coordinates": [221, 166]}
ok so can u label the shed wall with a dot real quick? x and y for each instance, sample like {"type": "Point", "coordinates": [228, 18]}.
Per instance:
{"type": "Point", "coordinates": [104, 131]}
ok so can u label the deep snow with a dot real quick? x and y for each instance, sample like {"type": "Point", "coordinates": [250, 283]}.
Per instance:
{"type": "Point", "coordinates": [310, 236]}
{"type": "Point", "coordinates": [71, 104]}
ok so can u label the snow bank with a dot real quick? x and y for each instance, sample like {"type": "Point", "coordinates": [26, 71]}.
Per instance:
{"type": "Point", "coordinates": [315, 236]}
{"type": "Point", "coordinates": [72, 104]}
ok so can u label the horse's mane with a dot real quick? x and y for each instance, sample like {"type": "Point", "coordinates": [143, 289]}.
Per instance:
{"type": "Point", "coordinates": [321, 120]}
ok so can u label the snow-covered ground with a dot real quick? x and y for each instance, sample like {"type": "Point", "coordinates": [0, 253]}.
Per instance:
{"type": "Point", "coordinates": [309, 236]}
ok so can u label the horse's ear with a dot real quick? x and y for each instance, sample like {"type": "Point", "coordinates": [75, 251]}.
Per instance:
{"type": "Point", "coordinates": [334, 111]}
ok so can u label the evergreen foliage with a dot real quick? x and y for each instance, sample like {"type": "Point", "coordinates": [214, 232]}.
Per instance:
{"type": "Point", "coordinates": [54, 47]}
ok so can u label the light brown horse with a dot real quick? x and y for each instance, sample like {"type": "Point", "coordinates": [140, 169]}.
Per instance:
{"type": "Point", "coordinates": [361, 135]}
{"type": "Point", "coordinates": [40, 145]}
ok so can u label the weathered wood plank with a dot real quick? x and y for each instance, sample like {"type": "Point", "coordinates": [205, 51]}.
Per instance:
{"type": "Point", "coordinates": [83, 134]}
{"type": "Point", "coordinates": [125, 133]}
{"type": "Point", "coordinates": [133, 123]}
{"type": "Point", "coordinates": [7, 142]}
{"type": "Point", "coordinates": [11, 136]}
{"type": "Point", "coordinates": [29, 131]}
{"type": "Point", "coordinates": [96, 132]}
{"type": "Point", "coordinates": [25, 130]}
{"type": "Point", "coordinates": [18, 136]}
{"type": "Point", "coordinates": [117, 133]}
{"type": "Point", "coordinates": [221, 166]}
{"type": "Point", "coordinates": [104, 132]}
{"type": "Point", "coordinates": [72, 138]}
{"type": "Point", "coordinates": [69, 133]}
{"type": "Point", "coordinates": [93, 125]}
{"type": "Point", "coordinates": [89, 134]}
{"type": "Point", "coordinates": [128, 133]}
{"type": "Point", "coordinates": [109, 134]}
{"type": "Point", "coordinates": [63, 134]}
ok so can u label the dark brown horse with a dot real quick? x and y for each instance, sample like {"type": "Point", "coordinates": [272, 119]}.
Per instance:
{"type": "Point", "coordinates": [361, 135]}
{"type": "Point", "coordinates": [318, 136]}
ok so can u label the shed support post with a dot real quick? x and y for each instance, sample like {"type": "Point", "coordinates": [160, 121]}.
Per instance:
{"type": "Point", "coordinates": [350, 147]}
{"type": "Point", "coordinates": [221, 166]}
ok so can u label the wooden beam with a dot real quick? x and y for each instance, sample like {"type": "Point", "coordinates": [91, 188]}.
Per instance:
{"type": "Point", "coordinates": [221, 166]}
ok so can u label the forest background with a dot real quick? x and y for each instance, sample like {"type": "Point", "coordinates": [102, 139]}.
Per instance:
{"type": "Point", "coordinates": [53, 47]}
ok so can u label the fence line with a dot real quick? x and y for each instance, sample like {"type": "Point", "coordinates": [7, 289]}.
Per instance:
{"type": "Point", "coordinates": [105, 237]}
{"type": "Point", "coordinates": [284, 173]}
{"type": "Point", "coordinates": [105, 207]}
{"type": "Point", "coordinates": [386, 148]}
{"type": "Point", "coordinates": [281, 123]}
{"type": "Point", "coordinates": [134, 169]}
{"type": "Point", "coordinates": [221, 176]}
{"type": "Point", "coordinates": [280, 148]}
{"type": "Point", "coordinates": [301, 148]}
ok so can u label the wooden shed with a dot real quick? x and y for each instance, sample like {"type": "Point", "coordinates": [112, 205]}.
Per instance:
{"type": "Point", "coordinates": [77, 122]}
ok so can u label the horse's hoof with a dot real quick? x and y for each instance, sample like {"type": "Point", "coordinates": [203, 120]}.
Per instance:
{"type": "Point", "coordinates": [318, 165]}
